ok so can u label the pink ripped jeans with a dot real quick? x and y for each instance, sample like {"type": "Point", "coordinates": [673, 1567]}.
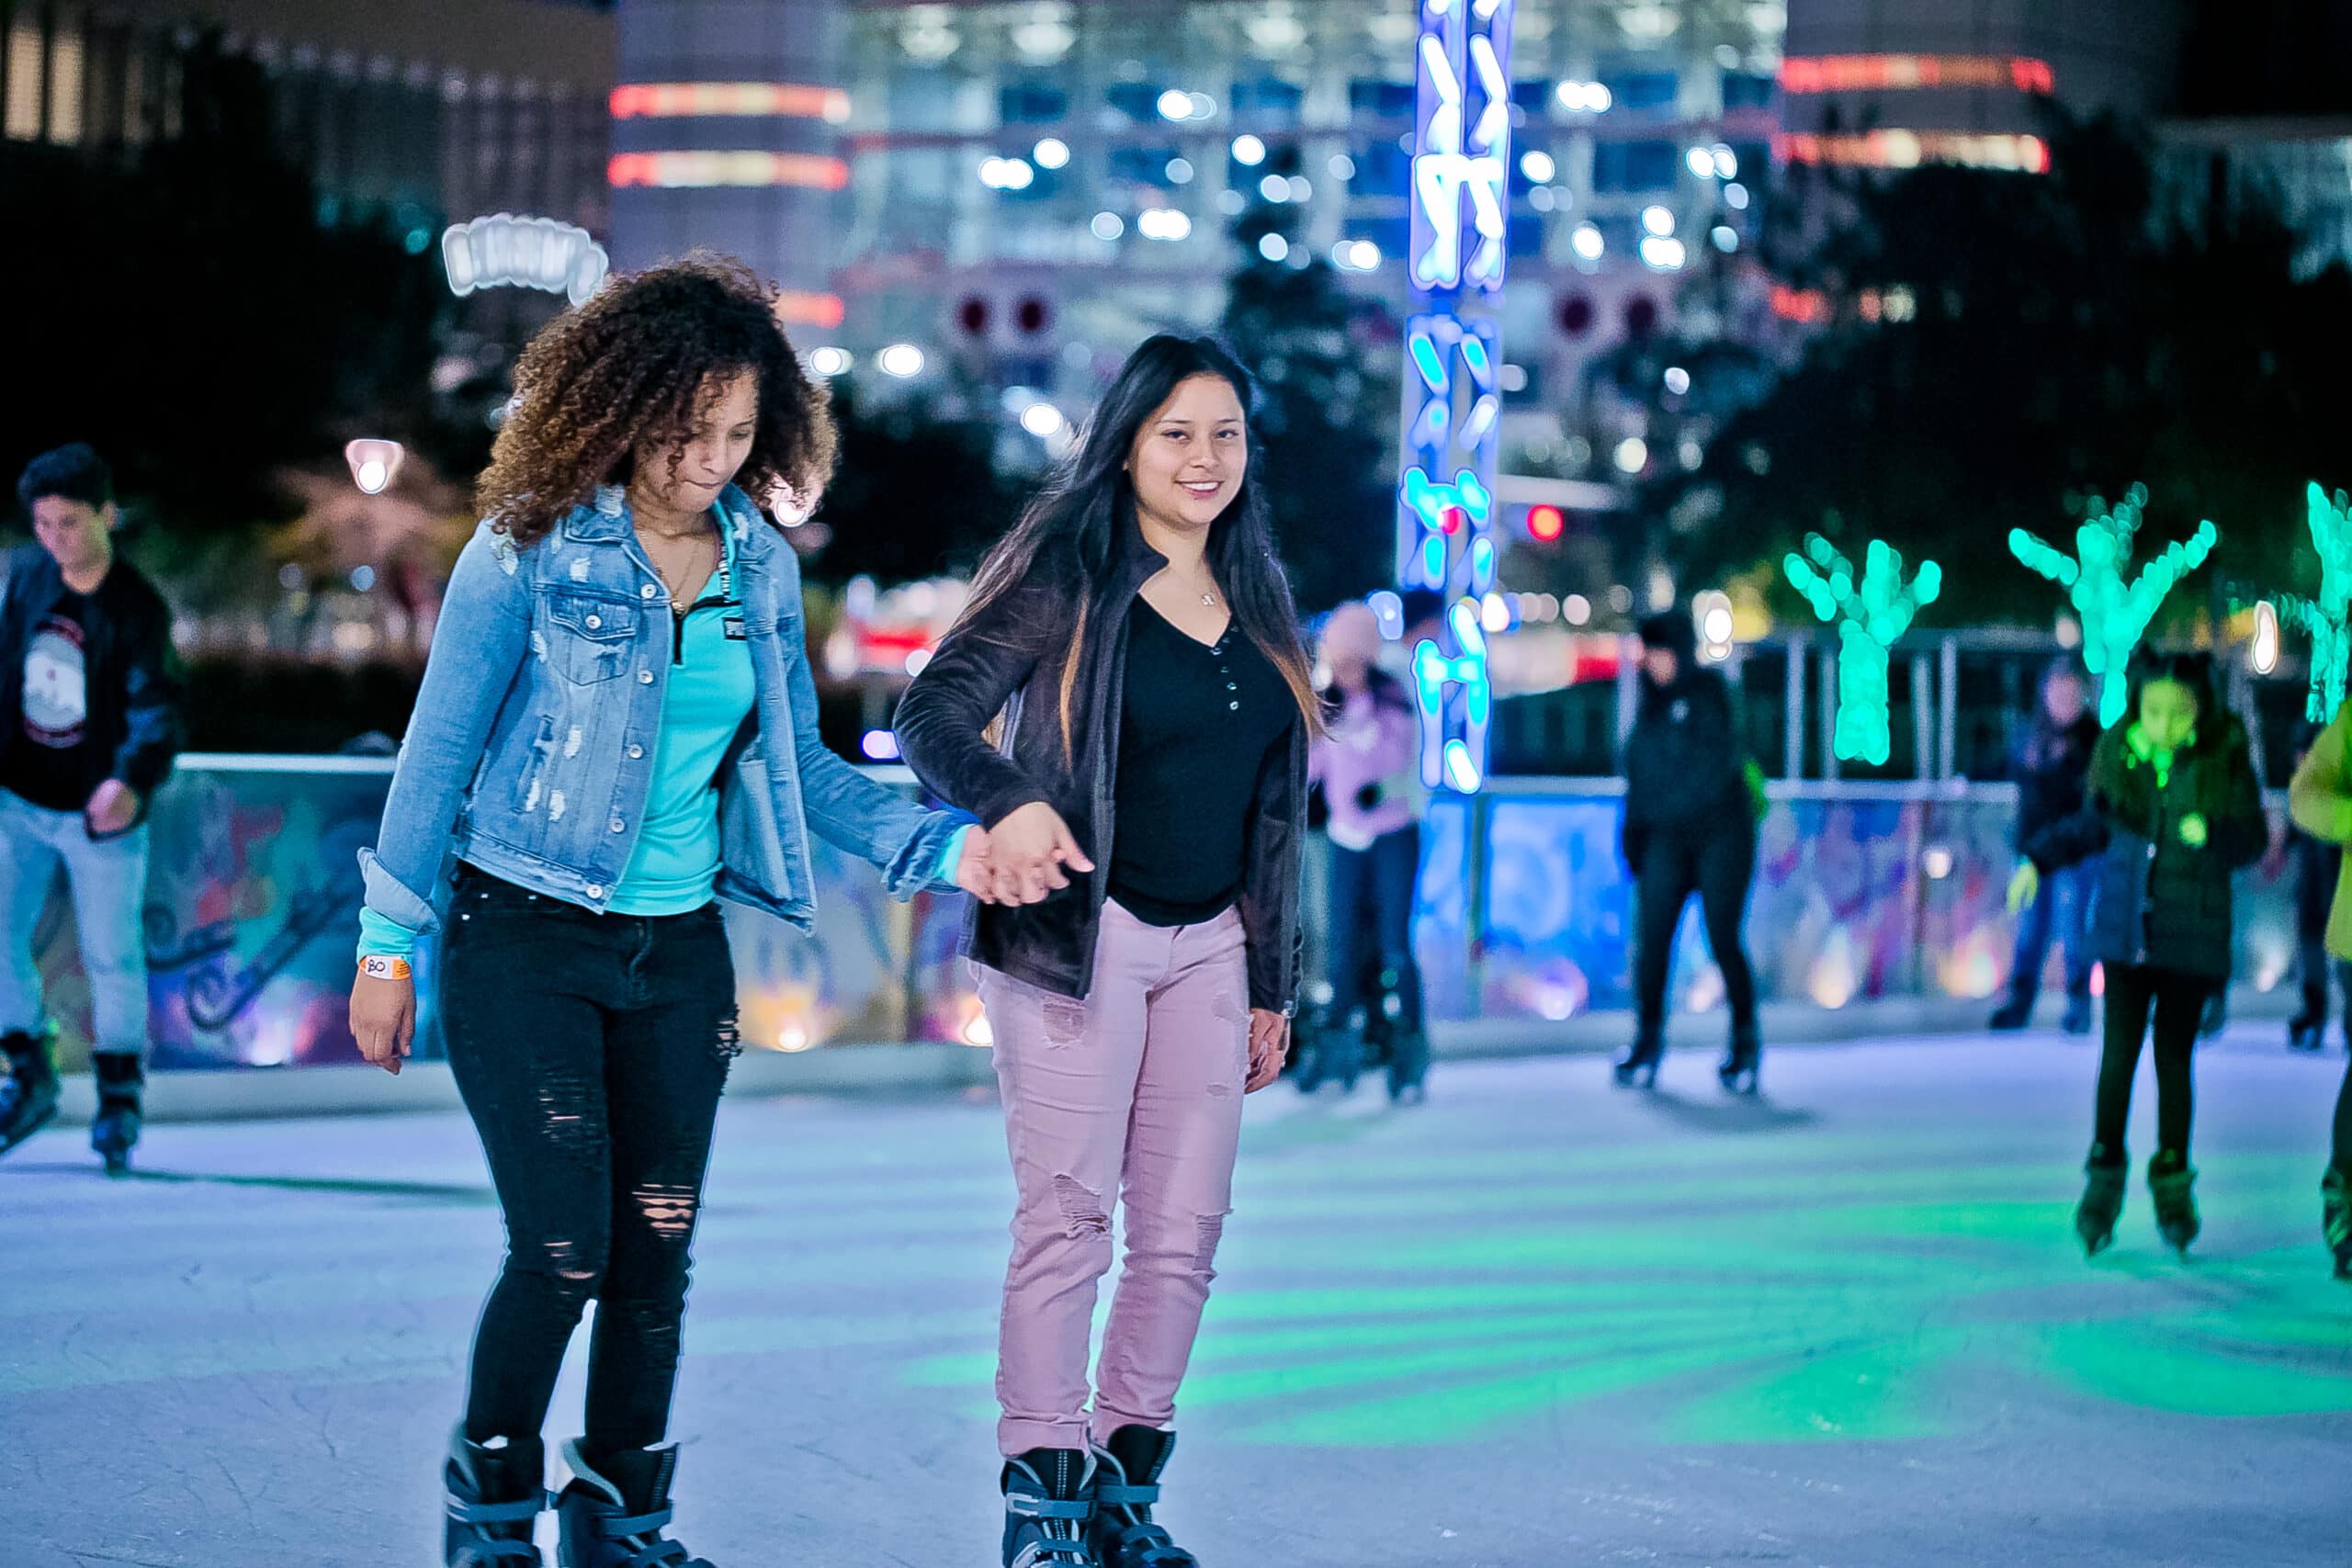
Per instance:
{"type": "Point", "coordinates": [1134, 1094]}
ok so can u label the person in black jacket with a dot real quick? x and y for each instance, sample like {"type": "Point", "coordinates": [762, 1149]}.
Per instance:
{"type": "Point", "coordinates": [1126, 706]}
{"type": "Point", "coordinates": [2051, 765]}
{"type": "Point", "coordinates": [2174, 812]}
{"type": "Point", "coordinates": [1690, 825]}
{"type": "Point", "coordinates": [89, 723]}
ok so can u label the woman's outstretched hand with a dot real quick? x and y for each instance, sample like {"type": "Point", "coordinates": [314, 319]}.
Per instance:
{"type": "Point", "coordinates": [1030, 853]}
{"type": "Point", "coordinates": [1269, 1048]}
{"type": "Point", "coordinates": [974, 875]}
{"type": "Point", "coordinates": [383, 1020]}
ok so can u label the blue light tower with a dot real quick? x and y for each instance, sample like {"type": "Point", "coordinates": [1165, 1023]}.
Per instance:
{"type": "Point", "coordinates": [1453, 359]}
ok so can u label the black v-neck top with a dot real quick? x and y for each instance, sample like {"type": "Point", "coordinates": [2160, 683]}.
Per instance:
{"type": "Point", "coordinates": [1194, 727]}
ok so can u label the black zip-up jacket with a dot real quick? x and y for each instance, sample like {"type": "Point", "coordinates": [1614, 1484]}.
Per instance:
{"type": "Point", "coordinates": [135, 690]}
{"type": "Point", "coordinates": [1009, 661]}
{"type": "Point", "coordinates": [2161, 902]}
{"type": "Point", "coordinates": [1684, 768]}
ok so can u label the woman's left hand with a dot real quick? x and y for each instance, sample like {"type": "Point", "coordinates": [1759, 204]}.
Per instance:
{"type": "Point", "coordinates": [1269, 1048]}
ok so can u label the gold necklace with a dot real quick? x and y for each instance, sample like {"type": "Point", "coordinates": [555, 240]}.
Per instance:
{"type": "Point", "coordinates": [669, 581]}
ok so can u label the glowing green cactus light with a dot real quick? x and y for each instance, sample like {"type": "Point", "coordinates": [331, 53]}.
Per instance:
{"type": "Point", "coordinates": [2115, 615]}
{"type": "Point", "coordinates": [1871, 615]}
{"type": "Point", "coordinates": [2325, 617]}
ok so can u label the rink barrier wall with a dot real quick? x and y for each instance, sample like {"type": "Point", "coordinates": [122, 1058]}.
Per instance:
{"type": "Point", "coordinates": [1877, 909]}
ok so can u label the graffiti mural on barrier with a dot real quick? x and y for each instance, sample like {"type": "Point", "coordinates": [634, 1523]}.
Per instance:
{"type": "Point", "coordinates": [253, 893]}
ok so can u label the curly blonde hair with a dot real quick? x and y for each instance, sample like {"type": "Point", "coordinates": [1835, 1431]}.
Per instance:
{"type": "Point", "coordinates": [633, 369]}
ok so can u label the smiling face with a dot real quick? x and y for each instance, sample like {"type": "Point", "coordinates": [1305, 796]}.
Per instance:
{"type": "Point", "coordinates": [1190, 455]}
{"type": "Point", "coordinates": [718, 442]}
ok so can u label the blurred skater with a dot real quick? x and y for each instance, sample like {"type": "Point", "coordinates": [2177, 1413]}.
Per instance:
{"type": "Point", "coordinates": [90, 719]}
{"type": "Point", "coordinates": [1689, 827]}
{"type": "Point", "coordinates": [2173, 812]}
{"type": "Point", "coordinates": [2320, 800]}
{"type": "Point", "coordinates": [1365, 762]}
{"type": "Point", "coordinates": [2051, 765]}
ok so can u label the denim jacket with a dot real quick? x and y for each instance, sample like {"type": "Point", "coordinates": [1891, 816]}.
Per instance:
{"type": "Point", "coordinates": [531, 747]}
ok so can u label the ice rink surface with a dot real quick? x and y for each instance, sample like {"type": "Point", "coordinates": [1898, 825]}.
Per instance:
{"type": "Point", "coordinates": [1537, 1322]}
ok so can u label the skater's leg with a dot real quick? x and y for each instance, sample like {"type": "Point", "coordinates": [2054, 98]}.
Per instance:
{"type": "Point", "coordinates": [1396, 869]}
{"type": "Point", "coordinates": [2180, 1003]}
{"type": "Point", "coordinates": [2077, 888]}
{"type": "Point", "coordinates": [525, 984]}
{"type": "Point", "coordinates": [109, 880]}
{"type": "Point", "coordinates": [1726, 866]}
{"type": "Point", "coordinates": [1668, 877]}
{"type": "Point", "coordinates": [2341, 1147]}
{"type": "Point", "coordinates": [28, 863]}
{"type": "Point", "coordinates": [1349, 881]}
{"type": "Point", "coordinates": [2312, 968]}
{"type": "Point", "coordinates": [2031, 952]}
{"type": "Point", "coordinates": [2130, 996]}
{"type": "Point", "coordinates": [1182, 1135]}
{"type": "Point", "coordinates": [1396, 892]}
{"type": "Point", "coordinates": [1065, 1071]}
{"type": "Point", "coordinates": [1338, 1044]}
{"type": "Point", "coordinates": [665, 1064]}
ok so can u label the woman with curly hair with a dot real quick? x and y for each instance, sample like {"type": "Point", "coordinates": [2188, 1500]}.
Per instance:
{"type": "Point", "coordinates": [1135, 636]}
{"type": "Point", "coordinates": [617, 726]}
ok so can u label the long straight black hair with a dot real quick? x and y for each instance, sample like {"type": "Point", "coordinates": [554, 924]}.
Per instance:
{"type": "Point", "coordinates": [1068, 536]}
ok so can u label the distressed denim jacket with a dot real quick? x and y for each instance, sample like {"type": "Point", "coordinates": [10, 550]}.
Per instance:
{"type": "Point", "coordinates": [531, 748]}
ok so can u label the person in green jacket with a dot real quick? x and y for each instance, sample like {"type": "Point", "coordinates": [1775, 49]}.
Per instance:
{"type": "Point", "coordinates": [2320, 801]}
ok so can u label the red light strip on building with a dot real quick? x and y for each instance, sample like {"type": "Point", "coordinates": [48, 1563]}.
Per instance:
{"type": "Point", "coordinates": [703, 171]}
{"type": "Point", "coordinates": [1807, 305]}
{"type": "Point", "coordinates": [1909, 149]}
{"type": "Point", "coordinates": [1896, 73]}
{"type": "Point", "coordinates": [799, 310]}
{"type": "Point", "coordinates": [682, 100]}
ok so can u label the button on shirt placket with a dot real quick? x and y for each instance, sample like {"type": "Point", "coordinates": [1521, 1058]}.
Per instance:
{"type": "Point", "coordinates": [647, 591]}
{"type": "Point", "coordinates": [1233, 704]}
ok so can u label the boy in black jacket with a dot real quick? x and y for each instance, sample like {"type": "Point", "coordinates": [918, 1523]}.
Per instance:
{"type": "Point", "coordinates": [89, 723]}
{"type": "Point", "coordinates": [2051, 765]}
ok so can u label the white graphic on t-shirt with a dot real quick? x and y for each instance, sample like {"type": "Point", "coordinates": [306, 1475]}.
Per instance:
{"type": "Point", "coordinates": [57, 693]}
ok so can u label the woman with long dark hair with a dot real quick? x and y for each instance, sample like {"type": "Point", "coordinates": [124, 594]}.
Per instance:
{"type": "Point", "coordinates": [1125, 706]}
{"type": "Point", "coordinates": [2173, 811]}
{"type": "Point", "coordinates": [617, 726]}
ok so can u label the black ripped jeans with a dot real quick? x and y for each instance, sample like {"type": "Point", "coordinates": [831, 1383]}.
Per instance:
{"type": "Point", "coordinates": [591, 1051]}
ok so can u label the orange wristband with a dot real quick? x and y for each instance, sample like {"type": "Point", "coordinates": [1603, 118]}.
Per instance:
{"type": "Point", "coordinates": [378, 967]}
